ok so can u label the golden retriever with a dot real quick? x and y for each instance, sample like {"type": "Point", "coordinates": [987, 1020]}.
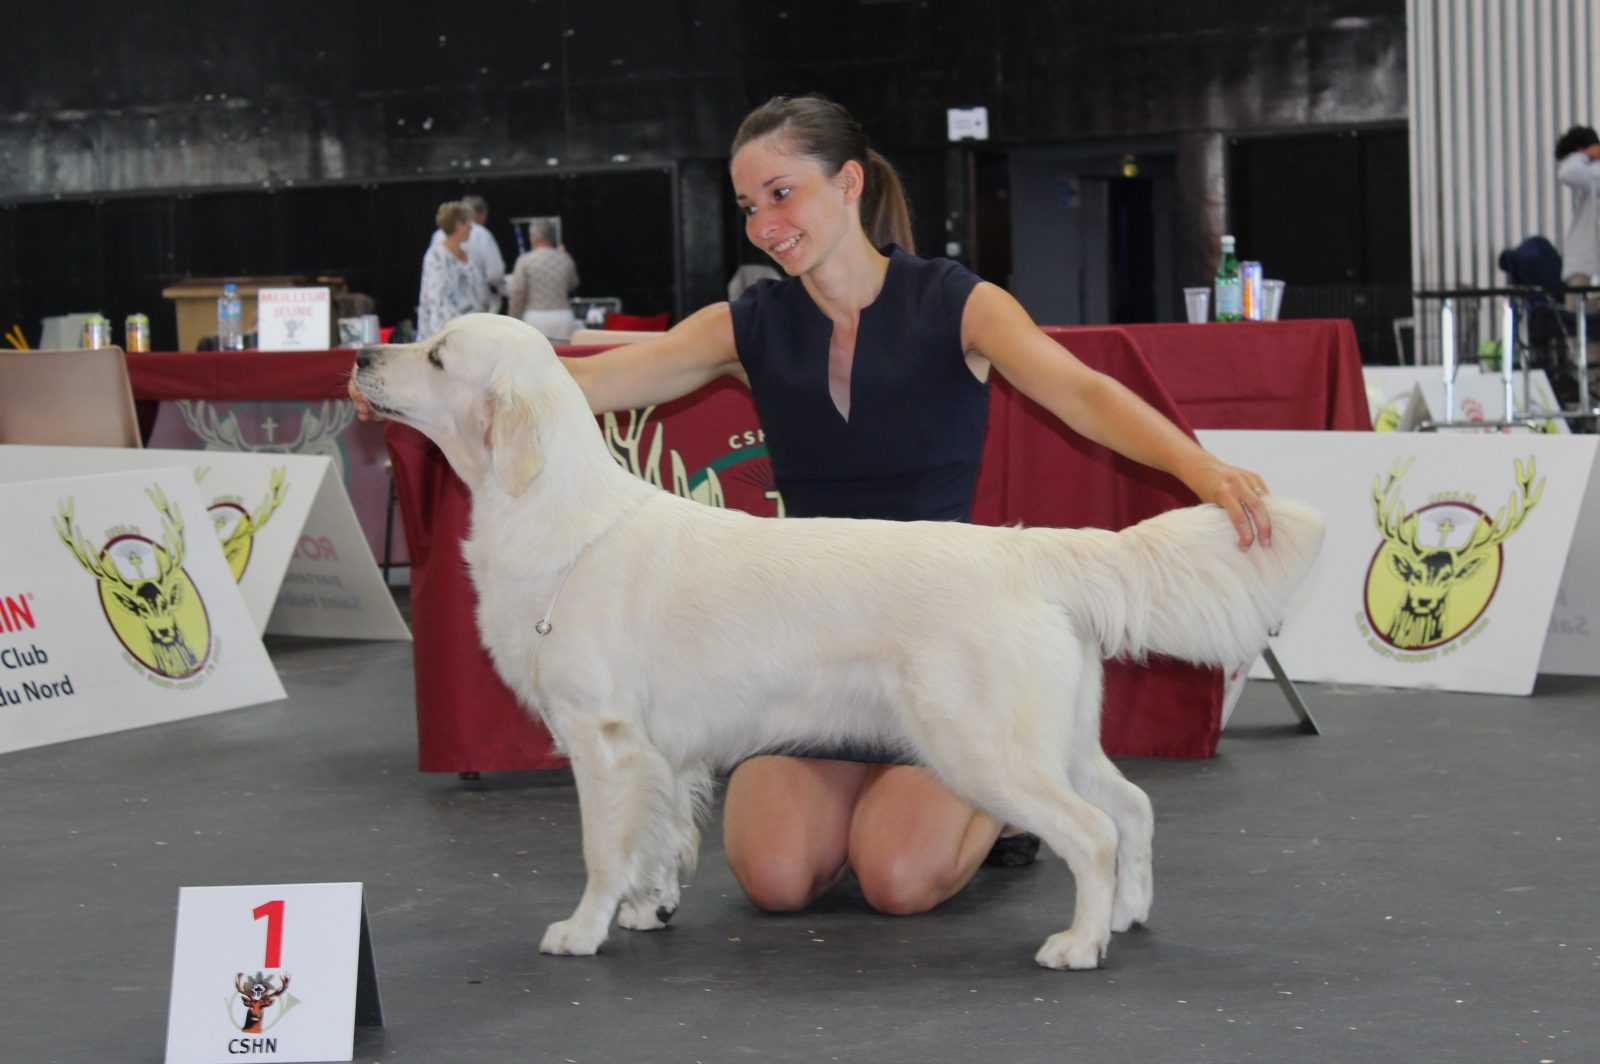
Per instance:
{"type": "Point", "coordinates": [662, 640]}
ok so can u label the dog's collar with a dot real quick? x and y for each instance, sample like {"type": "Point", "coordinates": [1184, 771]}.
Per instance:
{"type": "Point", "coordinates": [544, 627]}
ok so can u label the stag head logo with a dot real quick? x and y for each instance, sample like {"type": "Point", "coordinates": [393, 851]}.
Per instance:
{"type": "Point", "coordinates": [152, 605]}
{"type": "Point", "coordinates": [319, 429]}
{"type": "Point", "coordinates": [258, 993]}
{"type": "Point", "coordinates": [1438, 567]}
{"type": "Point", "coordinates": [237, 527]}
{"type": "Point", "coordinates": [627, 446]}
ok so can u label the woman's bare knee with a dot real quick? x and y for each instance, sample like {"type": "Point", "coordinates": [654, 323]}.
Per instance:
{"type": "Point", "coordinates": [786, 824]}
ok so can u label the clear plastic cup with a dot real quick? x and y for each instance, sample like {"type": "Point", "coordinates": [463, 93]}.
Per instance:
{"type": "Point", "coordinates": [1271, 299]}
{"type": "Point", "coordinates": [1197, 302]}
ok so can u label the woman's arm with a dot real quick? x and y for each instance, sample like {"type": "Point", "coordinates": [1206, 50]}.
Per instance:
{"type": "Point", "coordinates": [696, 351]}
{"type": "Point", "coordinates": [1579, 170]}
{"type": "Point", "coordinates": [1103, 410]}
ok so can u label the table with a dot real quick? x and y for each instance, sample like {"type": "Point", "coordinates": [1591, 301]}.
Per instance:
{"type": "Point", "coordinates": [1260, 375]}
{"type": "Point", "coordinates": [267, 391]}
{"type": "Point", "coordinates": [1034, 471]}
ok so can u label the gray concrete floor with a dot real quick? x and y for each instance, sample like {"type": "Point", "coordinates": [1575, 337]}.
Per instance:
{"type": "Point", "coordinates": [1416, 884]}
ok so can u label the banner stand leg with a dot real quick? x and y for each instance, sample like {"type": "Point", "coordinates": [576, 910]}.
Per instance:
{"type": "Point", "coordinates": [1308, 726]}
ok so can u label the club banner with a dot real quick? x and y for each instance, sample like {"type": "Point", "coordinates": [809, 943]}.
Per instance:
{"type": "Point", "coordinates": [1443, 555]}
{"type": "Point", "coordinates": [286, 528]}
{"type": "Point", "coordinates": [1401, 397]}
{"type": "Point", "coordinates": [118, 609]}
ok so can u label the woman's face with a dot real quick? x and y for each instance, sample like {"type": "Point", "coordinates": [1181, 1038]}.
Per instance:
{"type": "Point", "coordinates": [792, 210]}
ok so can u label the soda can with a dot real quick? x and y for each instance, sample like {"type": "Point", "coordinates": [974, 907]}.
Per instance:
{"type": "Point", "coordinates": [1250, 289]}
{"type": "Point", "coordinates": [137, 333]}
{"type": "Point", "coordinates": [96, 331]}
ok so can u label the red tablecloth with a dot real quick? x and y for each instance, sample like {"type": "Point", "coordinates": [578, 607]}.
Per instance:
{"type": "Point", "coordinates": [1034, 471]}
{"type": "Point", "coordinates": [1260, 375]}
{"type": "Point", "coordinates": [240, 376]}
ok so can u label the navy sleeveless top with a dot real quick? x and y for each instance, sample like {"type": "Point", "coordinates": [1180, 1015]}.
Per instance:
{"type": "Point", "coordinates": [910, 450]}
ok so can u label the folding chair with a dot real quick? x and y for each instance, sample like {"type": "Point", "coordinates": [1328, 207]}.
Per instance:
{"type": "Point", "coordinates": [67, 398]}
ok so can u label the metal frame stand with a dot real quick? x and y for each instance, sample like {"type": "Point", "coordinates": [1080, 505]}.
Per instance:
{"type": "Point", "coordinates": [1291, 693]}
{"type": "Point", "coordinates": [1511, 414]}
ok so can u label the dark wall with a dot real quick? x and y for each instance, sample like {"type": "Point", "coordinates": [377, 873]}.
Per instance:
{"type": "Point", "coordinates": [303, 116]}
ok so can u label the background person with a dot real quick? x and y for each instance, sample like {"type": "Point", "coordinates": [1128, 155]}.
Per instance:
{"type": "Point", "coordinates": [451, 286]}
{"type": "Point", "coordinates": [483, 251]}
{"type": "Point", "coordinates": [542, 283]}
{"type": "Point", "coordinates": [1578, 168]}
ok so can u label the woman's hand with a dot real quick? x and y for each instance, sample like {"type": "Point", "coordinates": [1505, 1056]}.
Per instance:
{"type": "Point", "coordinates": [1238, 491]}
{"type": "Point", "coordinates": [363, 409]}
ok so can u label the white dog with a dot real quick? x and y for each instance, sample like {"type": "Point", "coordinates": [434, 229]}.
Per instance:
{"type": "Point", "coordinates": [661, 639]}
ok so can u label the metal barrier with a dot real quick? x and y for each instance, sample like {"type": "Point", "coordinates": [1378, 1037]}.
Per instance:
{"type": "Point", "coordinates": [1516, 302]}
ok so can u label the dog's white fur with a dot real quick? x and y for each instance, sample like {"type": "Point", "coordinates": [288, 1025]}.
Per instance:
{"type": "Point", "coordinates": [686, 638]}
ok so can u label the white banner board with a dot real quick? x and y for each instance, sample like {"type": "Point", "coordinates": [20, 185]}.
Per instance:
{"type": "Point", "coordinates": [286, 528]}
{"type": "Point", "coordinates": [118, 610]}
{"type": "Point", "coordinates": [1573, 646]}
{"type": "Point", "coordinates": [1479, 397]}
{"type": "Point", "coordinates": [270, 972]}
{"type": "Point", "coordinates": [1443, 553]}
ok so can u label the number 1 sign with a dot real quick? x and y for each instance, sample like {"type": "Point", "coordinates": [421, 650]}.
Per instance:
{"type": "Point", "coordinates": [271, 973]}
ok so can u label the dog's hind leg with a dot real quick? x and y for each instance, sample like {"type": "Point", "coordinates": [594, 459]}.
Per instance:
{"type": "Point", "coordinates": [1020, 776]}
{"type": "Point", "coordinates": [624, 785]}
{"type": "Point", "coordinates": [1103, 784]}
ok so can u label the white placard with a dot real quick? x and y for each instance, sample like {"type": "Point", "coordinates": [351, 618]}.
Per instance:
{"type": "Point", "coordinates": [1573, 646]}
{"type": "Point", "coordinates": [293, 319]}
{"type": "Point", "coordinates": [1479, 397]}
{"type": "Point", "coordinates": [286, 526]}
{"type": "Point", "coordinates": [118, 610]}
{"type": "Point", "coordinates": [1457, 593]}
{"type": "Point", "coordinates": [967, 123]}
{"type": "Point", "coordinates": [270, 972]}
{"type": "Point", "coordinates": [333, 589]}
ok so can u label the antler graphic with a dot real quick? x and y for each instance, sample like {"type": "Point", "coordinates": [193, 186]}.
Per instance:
{"type": "Point", "coordinates": [316, 429]}
{"type": "Point", "coordinates": [1510, 516]}
{"type": "Point", "coordinates": [1391, 510]}
{"type": "Point", "coordinates": [171, 553]}
{"type": "Point", "coordinates": [68, 531]}
{"type": "Point", "coordinates": [202, 420]}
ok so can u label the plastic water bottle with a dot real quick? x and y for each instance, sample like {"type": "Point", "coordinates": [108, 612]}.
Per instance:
{"type": "Point", "coordinates": [230, 319]}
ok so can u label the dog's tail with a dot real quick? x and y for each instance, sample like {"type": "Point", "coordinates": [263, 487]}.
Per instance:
{"type": "Point", "coordinates": [1178, 584]}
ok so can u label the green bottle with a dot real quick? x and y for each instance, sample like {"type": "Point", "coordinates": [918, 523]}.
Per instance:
{"type": "Point", "coordinates": [1228, 294]}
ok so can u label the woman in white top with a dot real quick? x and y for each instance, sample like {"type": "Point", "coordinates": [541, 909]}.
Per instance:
{"type": "Point", "coordinates": [451, 287]}
{"type": "Point", "coordinates": [1578, 167]}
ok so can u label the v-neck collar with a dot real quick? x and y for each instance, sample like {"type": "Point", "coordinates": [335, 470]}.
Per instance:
{"type": "Point", "coordinates": [826, 327]}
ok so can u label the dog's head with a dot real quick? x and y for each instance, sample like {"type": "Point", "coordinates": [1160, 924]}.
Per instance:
{"type": "Point", "coordinates": [486, 389]}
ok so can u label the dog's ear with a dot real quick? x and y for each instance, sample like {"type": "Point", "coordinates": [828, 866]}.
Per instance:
{"type": "Point", "coordinates": [513, 437]}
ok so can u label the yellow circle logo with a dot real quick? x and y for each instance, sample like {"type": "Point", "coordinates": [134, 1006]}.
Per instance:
{"type": "Point", "coordinates": [154, 608]}
{"type": "Point", "coordinates": [237, 534]}
{"type": "Point", "coordinates": [1428, 586]}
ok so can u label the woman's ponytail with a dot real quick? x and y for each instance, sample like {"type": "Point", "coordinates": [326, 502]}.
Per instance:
{"type": "Point", "coordinates": [885, 214]}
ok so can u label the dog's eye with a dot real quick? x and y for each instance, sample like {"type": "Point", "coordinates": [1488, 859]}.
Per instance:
{"type": "Point", "coordinates": [434, 359]}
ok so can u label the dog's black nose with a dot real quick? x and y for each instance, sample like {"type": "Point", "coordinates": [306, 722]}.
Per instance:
{"type": "Point", "coordinates": [365, 357]}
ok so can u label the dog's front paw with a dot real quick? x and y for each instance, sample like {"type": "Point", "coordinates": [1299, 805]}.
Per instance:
{"type": "Point", "coordinates": [1070, 950]}
{"type": "Point", "coordinates": [567, 938]}
{"type": "Point", "coordinates": [644, 914]}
